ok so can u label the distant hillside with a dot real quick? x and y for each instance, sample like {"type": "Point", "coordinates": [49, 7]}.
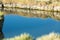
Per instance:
{"type": "Point", "coordinates": [28, 2]}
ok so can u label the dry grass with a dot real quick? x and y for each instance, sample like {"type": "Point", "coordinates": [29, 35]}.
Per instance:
{"type": "Point", "coordinates": [51, 36]}
{"type": "Point", "coordinates": [24, 36]}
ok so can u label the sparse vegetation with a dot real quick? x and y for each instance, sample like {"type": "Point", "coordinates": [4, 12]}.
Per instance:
{"type": "Point", "coordinates": [24, 36]}
{"type": "Point", "coordinates": [50, 36]}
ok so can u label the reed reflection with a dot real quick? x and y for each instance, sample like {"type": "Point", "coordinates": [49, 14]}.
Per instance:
{"type": "Point", "coordinates": [1, 26]}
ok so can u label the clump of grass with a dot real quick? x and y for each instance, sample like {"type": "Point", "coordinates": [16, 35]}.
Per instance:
{"type": "Point", "coordinates": [50, 36]}
{"type": "Point", "coordinates": [1, 13]}
{"type": "Point", "coordinates": [24, 36]}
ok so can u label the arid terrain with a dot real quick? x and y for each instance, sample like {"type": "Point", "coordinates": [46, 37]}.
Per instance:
{"type": "Point", "coordinates": [31, 2]}
{"type": "Point", "coordinates": [34, 4]}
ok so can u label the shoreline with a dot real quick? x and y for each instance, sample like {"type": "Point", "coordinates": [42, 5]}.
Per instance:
{"type": "Point", "coordinates": [52, 10]}
{"type": "Point", "coordinates": [34, 7]}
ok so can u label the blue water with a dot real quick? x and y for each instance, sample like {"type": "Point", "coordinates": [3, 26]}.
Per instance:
{"type": "Point", "coordinates": [15, 25]}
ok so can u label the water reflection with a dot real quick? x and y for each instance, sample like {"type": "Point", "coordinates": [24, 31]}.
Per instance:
{"type": "Point", "coordinates": [32, 13]}
{"type": "Point", "coordinates": [1, 26]}
{"type": "Point", "coordinates": [27, 13]}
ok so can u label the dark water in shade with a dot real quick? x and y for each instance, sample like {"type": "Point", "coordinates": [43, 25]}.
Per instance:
{"type": "Point", "coordinates": [14, 25]}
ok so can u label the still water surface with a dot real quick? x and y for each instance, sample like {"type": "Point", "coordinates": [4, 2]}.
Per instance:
{"type": "Point", "coordinates": [16, 23]}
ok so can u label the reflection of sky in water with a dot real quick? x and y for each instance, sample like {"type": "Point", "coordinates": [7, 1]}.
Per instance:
{"type": "Point", "coordinates": [15, 25]}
